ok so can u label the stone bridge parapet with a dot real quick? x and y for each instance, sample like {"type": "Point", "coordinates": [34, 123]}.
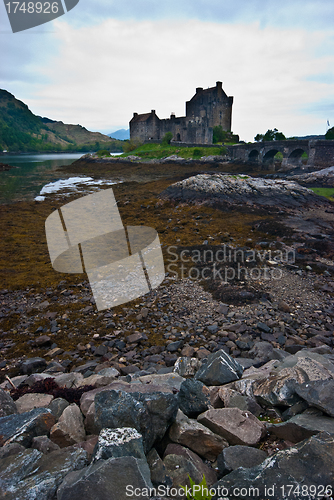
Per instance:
{"type": "Point", "coordinates": [320, 153]}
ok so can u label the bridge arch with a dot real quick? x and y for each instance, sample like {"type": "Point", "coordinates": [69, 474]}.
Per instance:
{"type": "Point", "coordinates": [297, 154]}
{"type": "Point", "coordinates": [253, 155]}
{"type": "Point", "coordinates": [268, 157]}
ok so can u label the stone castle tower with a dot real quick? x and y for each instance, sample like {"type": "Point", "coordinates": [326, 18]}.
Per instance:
{"type": "Point", "coordinates": [206, 109]}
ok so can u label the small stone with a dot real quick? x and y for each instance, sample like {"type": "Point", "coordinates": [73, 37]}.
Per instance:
{"type": "Point", "coordinates": [283, 306]}
{"type": "Point", "coordinates": [43, 340]}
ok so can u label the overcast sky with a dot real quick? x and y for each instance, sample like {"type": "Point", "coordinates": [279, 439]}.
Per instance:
{"type": "Point", "coordinates": [105, 59]}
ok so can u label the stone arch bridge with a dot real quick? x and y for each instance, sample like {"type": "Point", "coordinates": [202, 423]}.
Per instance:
{"type": "Point", "coordinates": [320, 153]}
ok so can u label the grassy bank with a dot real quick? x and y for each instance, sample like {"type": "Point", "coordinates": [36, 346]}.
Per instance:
{"type": "Point", "coordinates": [158, 151]}
{"type": "Point", "coordinates": [326, 192]}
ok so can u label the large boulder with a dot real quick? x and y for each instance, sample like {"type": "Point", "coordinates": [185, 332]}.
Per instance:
{"type": "Point", "coordinates": [197, 437]}
{"type": "Point", "coordinates": [241, 190]}
{"type": "Point", "coordinates": [219, 369]}
{"type": "Point", "coordinates": [301, 427]}
{"type": "Point", "coordinates": [32, 365]}
{"type": "Point", "coordinates": [318, 393]}
{"type": "Point", "coordinates": [112, 479]}
{"type": "Point", "coordinates": [305, 470]}
{"type": "Point", "coordinates": [236, 426]}
{"type": "Point", "coordinates": [120, 442]}
{"type": "Point", "coordinates": [30, 401]}
{"type": "Point", "coordinates": [32, 475]}
{"type": "Point", "coordinates": [22, 428]}
{"type": "Point", "coordinates": [194, 397]}
{"type": "Point", "coordinates": [151, 413]}
{"type": "Point", "coordinates": [70, 428]}
{"type": "Point", "coordinates": [237, 456]}
{"type": "Point", "coordinates": [180, 462]}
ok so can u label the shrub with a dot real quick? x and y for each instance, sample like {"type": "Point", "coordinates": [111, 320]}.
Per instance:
{"type": "Point", "coordinates": [167, 138]}
{"type": "Point", "coordinates": [103, 152]}
{"type": "Point", "coordinates": [197, 153]}
{"type": "Point", "coordinates": [131, 145]}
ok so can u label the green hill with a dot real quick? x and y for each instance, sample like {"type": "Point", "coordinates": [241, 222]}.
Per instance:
{"type": "Point", "coordinates": [22, 131]}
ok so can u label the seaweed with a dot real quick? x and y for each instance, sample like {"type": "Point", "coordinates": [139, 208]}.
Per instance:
{"type": "Point", "coordinates": [49, 386]}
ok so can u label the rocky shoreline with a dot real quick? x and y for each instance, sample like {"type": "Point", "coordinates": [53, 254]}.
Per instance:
{"type": "Point", "coordinates": [200, 376]}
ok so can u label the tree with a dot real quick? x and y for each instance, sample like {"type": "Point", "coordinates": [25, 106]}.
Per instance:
{"type": "Point", "coordinates": [270, 135]}
{"type": "Point", "coordinates": [330, 134]}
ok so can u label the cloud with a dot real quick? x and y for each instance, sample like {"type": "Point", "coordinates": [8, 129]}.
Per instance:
{"type": "Point", "coordinates": [102, 74]}
{"type": "Point", "coordinates": [299, 13]}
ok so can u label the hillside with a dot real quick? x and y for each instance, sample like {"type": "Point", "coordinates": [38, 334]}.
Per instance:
{"type": "Point", "coordinates": [22, 131]}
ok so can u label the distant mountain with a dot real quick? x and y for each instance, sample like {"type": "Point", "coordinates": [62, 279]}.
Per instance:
{"type": "Point", "coordinates": [121, 134]}
{"type": "Point", "coordinates": [22, 131]}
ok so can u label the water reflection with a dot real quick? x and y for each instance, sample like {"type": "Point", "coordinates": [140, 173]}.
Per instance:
{"type": "Point", "coordinates": [31, 173]}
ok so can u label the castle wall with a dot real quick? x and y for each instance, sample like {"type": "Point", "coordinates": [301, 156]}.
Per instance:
{"type": "Point", "coordinates": [205, 110]}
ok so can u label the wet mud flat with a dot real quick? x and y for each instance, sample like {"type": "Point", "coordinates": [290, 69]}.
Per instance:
{"type": "Point", "coordinates": [37, 301]}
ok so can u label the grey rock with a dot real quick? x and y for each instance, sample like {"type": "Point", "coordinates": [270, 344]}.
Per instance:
{"type": "Point", "coordinates": [32, 365]}
{"type": "Point", "coordinates": [294, 410]}
{"type": "Point", "coordinates": [302, 427]}
{"type": "Point", "coordinates": [119, 442]}
{"type": "Point", "coordinates": [109, 372]}
{"type": "Point", "coordinates": [233, 399]}
{"type": "Point", "coordinates": [90, 365]}
{"type": "Point", "coordinates": [57, 406]}
{"type": "Point", "coordinates": [96, 380]}
{"type": "Point", "coordinates": [150, 413]}
{"type": "Point", "coordinates": [236, 426]}
{"type": "Point", "coordinates": [311, 462]}
{"type": "Point", "coordinates": [107, 479]}
{"type": "Point", "coordinates": [11, 449]}
{"type": "Point", "coordinates": [22, 428]}
{"type": "Point", "coordinates": [101, 350]}
{"type": "Point", "coordinates": [136, 337]}
{"type": "Point", "coordinates": [170, 380]}
{"type": "Point", "coordinates": [30, 401]}
{"type": "Point", "coordinates": [70, 428]}
{"type": "Point", "coordinates": [158, 470]}
{"type": "Point", "coordinates": [174, 346]}
{"type": "Point", "coordinates": [239, 456]}
{"type": "Point", "coordinates": [35, 476]}
{"type": "Point", "coordinates": [44, 444]}
{"type": "Point", "coordinates": [69, 380]}
{"type": "Point", "coordinates": [186, 367]}
{"type": "Point", "coordinates": [194, 397]}
{"type": "Point", "coordinates": [7, 404]}
{"type": "Point", "coordinates": [219, 369]}
{"type": "Point", "coordinates": [318, 393]}
{"type": "Point", "coordinates": [15, 380]}
{"type": "Point", "coordinates": [262, 351]}
{"type": "Point", "coordinates": [197, 437]}
{"type": "Point", "coordinates": [248, 190]}
{"type": "Point", "coordinates": [181, 462]}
